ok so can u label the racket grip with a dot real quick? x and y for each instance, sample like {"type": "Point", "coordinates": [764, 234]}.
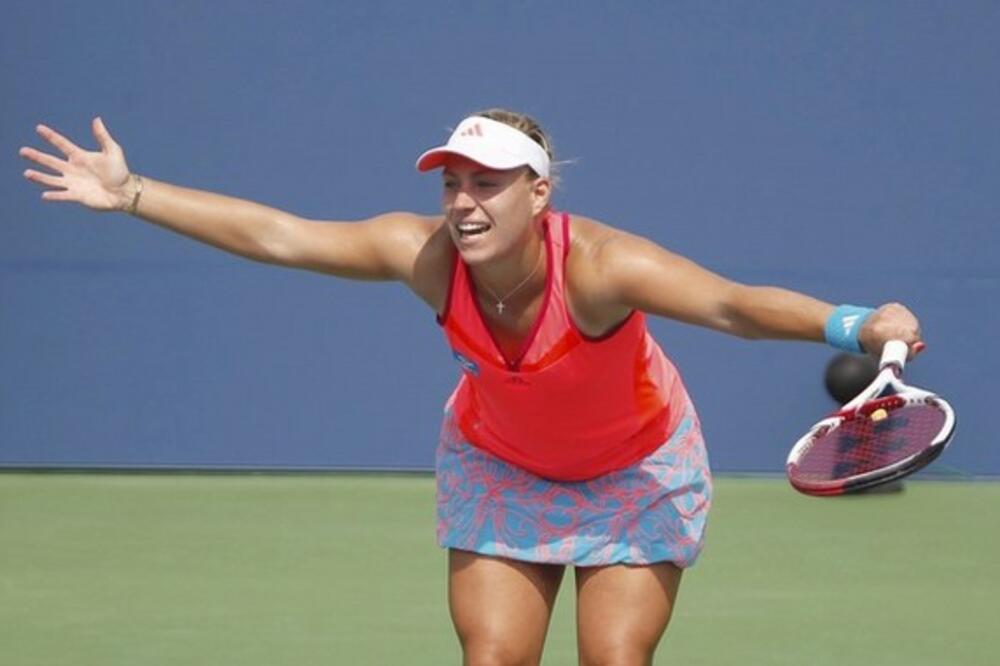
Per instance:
{"type": "Point", "coordinates": [894, 353]}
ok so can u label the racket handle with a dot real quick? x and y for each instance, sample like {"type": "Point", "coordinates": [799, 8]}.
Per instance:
{"type": "Point", "coordinates": [894, 353]}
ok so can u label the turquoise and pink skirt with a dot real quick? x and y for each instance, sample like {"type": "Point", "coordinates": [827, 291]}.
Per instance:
{"type": "Point", "coordinates": [653, 511]}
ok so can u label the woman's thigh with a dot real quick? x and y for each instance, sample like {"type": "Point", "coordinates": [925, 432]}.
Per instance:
{"type": "Point", "coordinates": [623, 610]}
{"type": "Point", "coordinates": [500, 607]}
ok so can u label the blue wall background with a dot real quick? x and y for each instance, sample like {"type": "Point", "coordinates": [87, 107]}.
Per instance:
{"type": "Point", "coordinates": [847, 149]}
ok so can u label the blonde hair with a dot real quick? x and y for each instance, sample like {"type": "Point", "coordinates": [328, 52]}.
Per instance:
{"type": "Point", "coordinates": [528, 125]}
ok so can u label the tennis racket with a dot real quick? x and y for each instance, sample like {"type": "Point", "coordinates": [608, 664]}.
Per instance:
{"type": "Point", "coordinates": [890, 430]}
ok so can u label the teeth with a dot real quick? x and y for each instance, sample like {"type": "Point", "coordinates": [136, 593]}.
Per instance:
{"type": "Point", "coordinates": [473, 228]}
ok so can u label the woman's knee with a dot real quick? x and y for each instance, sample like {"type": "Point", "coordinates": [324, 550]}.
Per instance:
{"type": "Point", "coordinates": [623, 611]}
{"type": "Point", "coordinates": [498, 651]}
{"type": "Point", "coordinates": [622, 651]}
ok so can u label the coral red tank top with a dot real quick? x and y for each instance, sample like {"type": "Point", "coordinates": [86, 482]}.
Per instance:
{"type": "Point", "coordinates": [570, 407]}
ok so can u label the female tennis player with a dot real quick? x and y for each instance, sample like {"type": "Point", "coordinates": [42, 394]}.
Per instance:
{"type": "Point", "coordinates": [570, 439]}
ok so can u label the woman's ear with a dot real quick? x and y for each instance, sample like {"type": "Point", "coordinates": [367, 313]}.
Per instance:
{"type": "Point", "coordinates": [541, 194]}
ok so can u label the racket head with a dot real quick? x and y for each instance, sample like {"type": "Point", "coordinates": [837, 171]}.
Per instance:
{"type": "Point", "coordinates": [893, 431]}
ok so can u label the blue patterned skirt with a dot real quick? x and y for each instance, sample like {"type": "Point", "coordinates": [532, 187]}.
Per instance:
{"type": "Point", "coordinates": [653, 511]}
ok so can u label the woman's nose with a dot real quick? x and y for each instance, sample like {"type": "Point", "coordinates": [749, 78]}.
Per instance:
{"type": "Point", "coordinates": [463, 200]}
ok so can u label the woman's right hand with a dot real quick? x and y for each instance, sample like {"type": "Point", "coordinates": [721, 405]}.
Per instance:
{"type": "Point", "coordinates": [98, 180]}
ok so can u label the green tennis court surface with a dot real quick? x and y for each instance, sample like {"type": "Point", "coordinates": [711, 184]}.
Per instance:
{"type": "Point", "coordinates": [343, 569]}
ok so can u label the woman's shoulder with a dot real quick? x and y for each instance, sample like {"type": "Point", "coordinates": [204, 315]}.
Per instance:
{"type": "Point", "coordinates": [607, 266]}
{"type": "Point", "coordinates": [409, 239]}
{"type": "Point", "coordinates": [433, 258]}
{"type": "Point", "coordinates": [599, 245]}
{"type": "Point", "coordinates": [413, 227]}
{"type": "Point", "coordinates": [590, 240]}
{"type": "Point", "coordinates": [433, 238]}
{"type": "Point", "coordinates": [591, 296]}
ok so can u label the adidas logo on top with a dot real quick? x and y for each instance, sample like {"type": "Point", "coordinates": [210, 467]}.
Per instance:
{"type": "Point", "coordinates": [475, 130]}
{"type": "Point", "coordinates": [849, 321]}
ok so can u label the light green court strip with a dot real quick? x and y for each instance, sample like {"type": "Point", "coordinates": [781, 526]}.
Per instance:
{"type": "Point", "coordinates": [148, 570]}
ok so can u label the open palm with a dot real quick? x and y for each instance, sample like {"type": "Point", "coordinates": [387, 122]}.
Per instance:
{"type": "Point", "coordinates": [96, 179]}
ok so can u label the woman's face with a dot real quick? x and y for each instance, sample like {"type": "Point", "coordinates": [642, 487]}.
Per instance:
{"type": "Point", "coordinates": [490, 213]}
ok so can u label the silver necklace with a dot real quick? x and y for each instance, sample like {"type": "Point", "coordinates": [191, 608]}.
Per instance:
{"type": "Point", "coordinates": [500, 305]}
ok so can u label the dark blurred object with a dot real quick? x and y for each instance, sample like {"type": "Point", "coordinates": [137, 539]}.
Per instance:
{"type": "Point", "coordinates": [848, 374]}
{"type": "Point", "coordinates": [891, 487]}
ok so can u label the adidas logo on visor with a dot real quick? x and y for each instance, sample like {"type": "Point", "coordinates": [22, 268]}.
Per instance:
{"type": "Point", "coordinates": [474, 130]}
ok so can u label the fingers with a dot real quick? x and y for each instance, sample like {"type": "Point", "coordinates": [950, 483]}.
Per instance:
{"type": "Point", "coordinates": [44, 178]}
{"type": "Point", "coordinates": [44, 159]}
{"type": "Point", "coordinates": [893, 321]}
{"type": "Point", "coordinates": [102, 135]}
{"type": "Point", "coordinates": [57, 195]}
{"type": "Point", "coordinates": [67, 147]}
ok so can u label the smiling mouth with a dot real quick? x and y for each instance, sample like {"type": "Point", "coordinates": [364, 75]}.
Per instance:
{"type": "Point", "coordinates": [471, 229]}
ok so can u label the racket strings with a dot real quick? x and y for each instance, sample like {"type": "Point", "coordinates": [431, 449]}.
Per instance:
{"type": "Point", "coordinates": [871, 441]}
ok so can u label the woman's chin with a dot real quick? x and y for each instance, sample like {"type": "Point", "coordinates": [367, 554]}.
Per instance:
{"type": "Point", "coordinates": [476, 250]}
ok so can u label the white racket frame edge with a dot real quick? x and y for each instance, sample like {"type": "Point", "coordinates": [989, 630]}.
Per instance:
{"type": "Point", "coordinates": [891, 366]}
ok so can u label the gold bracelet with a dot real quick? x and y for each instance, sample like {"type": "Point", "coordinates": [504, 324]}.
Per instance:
{"type": "Point", "coordinates": [135, 198]}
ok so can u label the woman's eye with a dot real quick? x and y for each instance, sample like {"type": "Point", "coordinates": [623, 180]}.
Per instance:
{"type": "Point", "coordinates": [486, 184]}
{"type": "Point", "coordinates": [449, 185]}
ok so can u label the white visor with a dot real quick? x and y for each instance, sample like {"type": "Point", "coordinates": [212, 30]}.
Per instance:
{"type": "Point", "coordinates": [490, 143]}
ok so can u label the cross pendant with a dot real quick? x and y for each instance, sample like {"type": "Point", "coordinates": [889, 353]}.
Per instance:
{"type": "Point", "coordinates": [500, 307]}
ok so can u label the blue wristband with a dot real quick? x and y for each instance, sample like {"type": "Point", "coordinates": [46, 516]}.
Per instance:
{"type": "Point", "coordinates": [843, 326]}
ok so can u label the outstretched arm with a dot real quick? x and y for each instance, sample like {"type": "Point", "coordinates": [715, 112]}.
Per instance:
{"type": "Point", "coordinates": [382, 248]}
{"type": "Point", "coordinates": [638, 274]}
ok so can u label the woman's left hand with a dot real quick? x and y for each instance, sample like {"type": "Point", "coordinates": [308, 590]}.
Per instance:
{"type": "Point", "coordinates": [891, 322]}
